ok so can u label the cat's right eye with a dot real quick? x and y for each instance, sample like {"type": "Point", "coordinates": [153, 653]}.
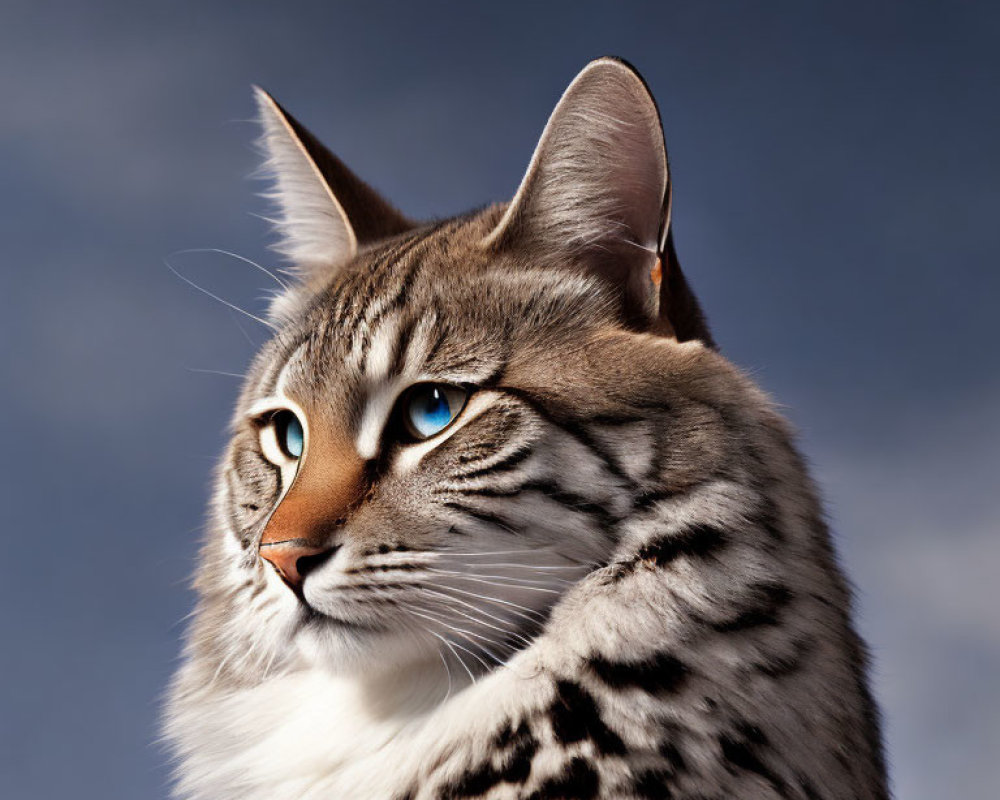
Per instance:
{"type": "Point", "coordinates": [282, 438]}
{"type": "Point", "coordinates": [288, 431]}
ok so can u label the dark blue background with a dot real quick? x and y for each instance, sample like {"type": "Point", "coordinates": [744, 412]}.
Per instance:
{"type": "Point", "coordinates": [837, 183]}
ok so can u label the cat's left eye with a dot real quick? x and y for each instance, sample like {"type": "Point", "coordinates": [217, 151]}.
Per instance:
{"type": "Point", "coordinates": [429, 408]}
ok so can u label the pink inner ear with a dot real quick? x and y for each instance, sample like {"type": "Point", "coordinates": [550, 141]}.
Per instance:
{"type": "Point", "coordinates": [656, 273]}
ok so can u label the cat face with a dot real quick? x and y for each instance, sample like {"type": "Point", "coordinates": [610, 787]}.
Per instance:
{"type": "Point", "coordinates": [418, 469]}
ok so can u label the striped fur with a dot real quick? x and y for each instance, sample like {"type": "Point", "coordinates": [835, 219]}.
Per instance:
{"type": "Point", "coordinates": [609, 578]}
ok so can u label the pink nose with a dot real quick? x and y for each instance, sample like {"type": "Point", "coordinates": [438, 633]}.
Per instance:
{"type": "Point", "coordinates": [295, 558]}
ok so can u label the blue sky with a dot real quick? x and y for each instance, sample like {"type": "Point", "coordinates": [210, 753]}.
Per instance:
{"type": "Point", "coordinates": [837, 183]}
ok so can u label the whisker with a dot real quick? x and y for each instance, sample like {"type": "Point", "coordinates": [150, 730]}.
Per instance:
{"type": "Point", "coordinates": [457, 656]}
{"type": "Point", "coordinates": [216, 297]}
{"type": "Point", "coordinates": [515, 616]}
{"type": "Point", "coordinates": [477, 609]}
{"type": "Point", "coordinates": [239, 375]}
{"type": "Point", "coordinates": [239, 325]}
{"type": "Point", "coordinates": [491, 599]}
{"type": "Point", "coordinates": [478, 621]}
{"type": "Point", "coordinates": [520, 552]}
{"type": "Point", "coordinates": [245, 260]}
{"type": "Point", "coordinates": [534, 567]}
{"type": "Point", "coordinates": [524, 585]}
{"type": "Point", "coordinates": [419, 631]}
{"type": "Point", "coordinates": [447, 672]}
{"type": "Point", "coordinates": [476, 656]}
{"type": "Point", "coordinates": [545, 580]}
{"type": "Point", "coordinates": [467, 634]}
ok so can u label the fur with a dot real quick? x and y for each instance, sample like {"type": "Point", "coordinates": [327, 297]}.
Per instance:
{"type": "Point", "coordinates": [609, 577]}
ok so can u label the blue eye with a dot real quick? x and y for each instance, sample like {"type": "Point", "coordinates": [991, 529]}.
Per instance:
{"type": "Point", "coordinates": [288, 431]}
{"type": "Point", "coordinates": [429, 408]}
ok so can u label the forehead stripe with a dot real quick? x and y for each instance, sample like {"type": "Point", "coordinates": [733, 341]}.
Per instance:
{"type": "Point", "coordinates": [382, 347]}
{"type": "Point", "coordinates": [356, 311]}
{"type": "Point", "coordinates": [409, 260]}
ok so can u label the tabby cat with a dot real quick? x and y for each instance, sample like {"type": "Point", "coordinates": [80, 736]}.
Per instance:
{"type": "Point", "coordinates": [498, 521]}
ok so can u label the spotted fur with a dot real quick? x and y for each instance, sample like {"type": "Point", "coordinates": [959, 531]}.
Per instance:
{"type": "Point", "coordinates": [608, 578]}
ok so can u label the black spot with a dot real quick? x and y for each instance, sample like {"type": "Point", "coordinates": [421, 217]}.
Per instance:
{"type": "Point", "coordinates": [767, 600]}
{"type": "Point", "coordinates": [740, 748]}
{"type": "Point", "coordinates": [672, 755]}
{"type": "Point", "coordinates": [580, 781]}
{"type": "Point", "coordinates": [509, 736]}
{"type": "Point", "coordinates": [699, 541]}
{"type": "Point", "coordinates": [515, 765]}
{"type": "Point", "coordinates": [575, 717]}
{"type": "Point", "coordinates": [779, 666]}
{"type": "Point", "coordinates": [768, 520]}
{"type": "Point", "coordinates": [808, 789]}
{"type": "Point", "coordinates": [652, 784]}
{"type": "Point", "coordinates": [383, 548]}
{"type": "Point", "coordinates": [504, 736]}
{"type": "Point", "coordinates": [646, 500]}
{"type": "Point", "coordinates": [661, 673]}
{"type": "Point", "coordinates": [522, 746]}
{"type": "Point", "coordinates": [475, 782]}
{"type": "Point", "coordinates": [751, 733]}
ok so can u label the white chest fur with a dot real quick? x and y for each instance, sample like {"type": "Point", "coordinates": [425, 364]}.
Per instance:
{"type": "Point", "coordinates": [290, 736]}
{"type": "Point", "coordinates": [314, 735]}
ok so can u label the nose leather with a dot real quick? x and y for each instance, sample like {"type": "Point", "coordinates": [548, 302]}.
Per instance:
{"type": "Point", "coordinates": [330, 481]}
{"type": "Point", "coordinates": [285, 557]}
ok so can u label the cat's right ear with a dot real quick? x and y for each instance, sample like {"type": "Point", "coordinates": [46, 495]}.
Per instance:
{"type": "Point", "coordinates": [325, 212]}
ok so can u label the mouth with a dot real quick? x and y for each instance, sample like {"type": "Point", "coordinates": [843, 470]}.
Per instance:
{"type": "Point", "coordinates": [311, 618]}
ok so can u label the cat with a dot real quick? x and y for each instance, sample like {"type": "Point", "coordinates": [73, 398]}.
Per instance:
{"type": "Point", "coordinates": [497, 520]}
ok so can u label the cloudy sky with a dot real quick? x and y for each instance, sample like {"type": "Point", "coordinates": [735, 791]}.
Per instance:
{"type": "Point", "coordinates": [837, 183]}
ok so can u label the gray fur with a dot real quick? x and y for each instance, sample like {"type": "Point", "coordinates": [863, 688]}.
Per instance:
{"type": "Point", "coordinates": [610, 579]}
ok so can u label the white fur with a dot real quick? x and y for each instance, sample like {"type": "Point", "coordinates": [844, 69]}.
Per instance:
{"type": "Point", "coordinates": [315, 735]}
{"type": "Point", "coordinates": [315, 234]}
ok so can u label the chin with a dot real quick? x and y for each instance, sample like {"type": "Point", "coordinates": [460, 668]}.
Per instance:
{"type": "Point", "coordinates": [358, 649]}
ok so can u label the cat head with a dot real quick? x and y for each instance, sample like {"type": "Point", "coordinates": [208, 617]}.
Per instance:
{"type": "Point", "coordinates": [434, 445]}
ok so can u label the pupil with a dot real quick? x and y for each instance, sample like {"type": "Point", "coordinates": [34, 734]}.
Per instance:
{"type": "Point", "coordinates": [438, 411]}
{"type": "Point", "coordinates": [438, 405]}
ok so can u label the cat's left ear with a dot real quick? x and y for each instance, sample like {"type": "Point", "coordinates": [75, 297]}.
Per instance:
{"type": "Point", "coordinates": [597, 192]}
{"type": "Point", "coordinates": [325, 212]}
